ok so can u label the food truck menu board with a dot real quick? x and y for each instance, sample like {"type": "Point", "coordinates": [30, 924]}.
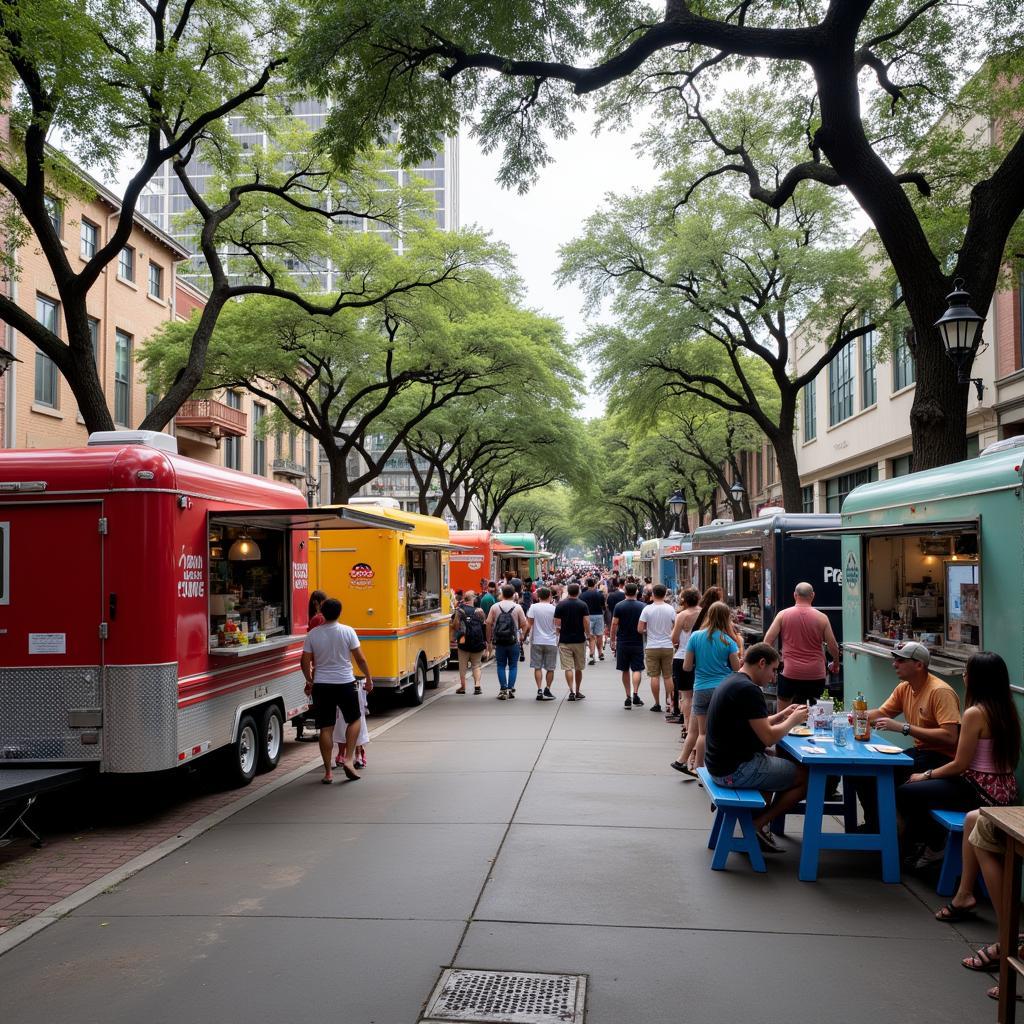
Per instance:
{"type": "Point", "coordinates": [963, 611]}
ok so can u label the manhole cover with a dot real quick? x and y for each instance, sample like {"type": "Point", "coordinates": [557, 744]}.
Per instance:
{"type": "Point", "coordinates": [507, 997]}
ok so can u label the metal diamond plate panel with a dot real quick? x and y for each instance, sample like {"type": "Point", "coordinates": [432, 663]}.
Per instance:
{"type": "Point", "coordinates": [34, 707]}
{"type": "Point", "coordinates": [506, 997]}
{"type": "Point", "coordinates": [140, 718]}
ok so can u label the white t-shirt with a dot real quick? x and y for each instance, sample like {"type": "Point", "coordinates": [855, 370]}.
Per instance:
{"type": "Point", "coordinates": [543, 615]}
{"type": "Point", "coordinates": [331, 646]}
{"type": "Point", "coordinates": [660, 619]}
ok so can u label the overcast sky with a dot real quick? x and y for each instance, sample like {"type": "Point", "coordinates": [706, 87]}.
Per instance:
{"type": "Point", "coordinates": [585, 167]}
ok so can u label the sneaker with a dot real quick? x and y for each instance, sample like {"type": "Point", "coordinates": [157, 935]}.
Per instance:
{"type": "Point", "coordinates": [767, 841]}
{"type": "Point", "coordinates": [511, 694]}
{"type": "Point", "coordinates": [540, 695]}
{"type": "Point", "coordinates": [674, 719]}
{"type": "Point", "coordinates": [637, 702]}
{"type": "Point", "coordinates": [477, 691]}
{"type": "Point", "coordinates": [572, 696]}
{"type": "Point", "coordinates": [580, 696]}
{"type": "Point", "coordinates": [928, 856]}
{"type": "Point", "coordinates": [591, 662]}
{"type": "Point", "coordinates": [502, 695]}
{"type": "Point", "coordinates": [656, 707]}
{"type": "Point", "coordinates": [628, 705]}
{"type": "Point", "coordinates": [600, 657]}
{"type": "Point", "coordinates": [548, 695]}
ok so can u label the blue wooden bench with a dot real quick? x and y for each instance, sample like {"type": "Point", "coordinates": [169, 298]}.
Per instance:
{"type": "Point", "coordinates": [733, 807]}
{"type": "Point", "coordinates": [953, 860]}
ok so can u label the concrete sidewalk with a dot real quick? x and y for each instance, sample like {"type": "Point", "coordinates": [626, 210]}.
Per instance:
{"type": "Point", "coordinates": [504, 835]}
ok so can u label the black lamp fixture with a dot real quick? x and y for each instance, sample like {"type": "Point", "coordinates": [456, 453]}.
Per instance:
{"type": "Point", "coordinates": [737, 491]}
{"type": "Point", "coordinates": [6, 358]}
{"type": "Point", "coordinates": [960, 328]}
{"type": "Point", "coordinates": [677, 506]}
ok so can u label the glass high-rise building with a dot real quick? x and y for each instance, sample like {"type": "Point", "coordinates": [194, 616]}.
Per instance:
{"type": "Point", "coordinates": [164, 199]}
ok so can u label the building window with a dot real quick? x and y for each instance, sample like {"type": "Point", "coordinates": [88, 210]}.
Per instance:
{"type": "Point", "coordinates": [259, 442]}
{"type": "Point", "coordinates": [807, 498]}
{"type": "Point", "coordinates": [309, 455]}
{"type": "Point", "coordinates": [840, 386]}
{"type": "Point", "coordinates": [152, 398]}
{"type": "Point", "coordinates": [94, 339]}
{"type": "Point", "coordinates": [89, 239]}
{"type": "Point", "coordinates": [868, 377]}
{"type": "Point", "coordinates": [156, 280]}
{"type": "Point", "coordinates": [122, 378]}
{"type": "Point", "coordinates": [904, 368]}
{"type": "Point", "coordinates": [46, 389]}
{"type": "Point", "coordinates": [126, 264]}
{"type": "Point", "coordinates": [769, 457]}
{"type": "Point", "coordinates": [839, 487]}
{"type": "Point", "coordinates": [233, 445]}
{"type": "Point", "coordinates": [973, 446]}
{"type": "Point", "coordinates": [54, 212]}
{"type": "Point", "coordinates": [810, 411]}
{"type": "Point", "coordinates": [903, 465]}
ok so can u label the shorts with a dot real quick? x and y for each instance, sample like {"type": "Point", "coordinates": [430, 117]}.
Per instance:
{"type": "Point", "coordinates": [544, 656]}
{"type": "Point", "coordinates": [629, 657]}
{"type": "Point", "coordinates": [597, 625]}
{"type": "Point", "coordinates": [469, 659]}
{"type": "Point", "coordinates": [658, 661]}
{"type": "Point", "coordinates": [768, 774]}
{"type": "Point", "coordinates": [329, 698]}
{"type": "Point", "coordinates": [683, 680]}
{"type": "Point", "coordinates": [572, 656]}
{"type": "Point", "coordinates": [702, 701]}
{"type": "Point", "coordinates": [985, 836]}
{"type": "Point", "coordinates": [800, 691]}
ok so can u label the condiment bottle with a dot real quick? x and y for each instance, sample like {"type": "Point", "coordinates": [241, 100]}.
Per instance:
{"type": "Point", "coordinates": [861, 725]}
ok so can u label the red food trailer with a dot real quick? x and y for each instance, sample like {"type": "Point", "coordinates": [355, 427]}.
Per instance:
{"type": "Point", "coordinates": [152, 607]}
{"type": "Point", "coordinates": [472, 565]}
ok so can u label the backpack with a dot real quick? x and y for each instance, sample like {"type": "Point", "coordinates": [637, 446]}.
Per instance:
{"type": "Point", "coordinates": [471, 632]}
{"type": "Point", "coordinates": [505, 631]}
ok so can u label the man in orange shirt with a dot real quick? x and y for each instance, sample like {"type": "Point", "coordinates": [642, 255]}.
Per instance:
{"type": "Point", "coordinates": [931, 713]}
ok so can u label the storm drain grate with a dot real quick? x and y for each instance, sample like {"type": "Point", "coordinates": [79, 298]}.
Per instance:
{"type": "Point", "coordinates": [507, 997]}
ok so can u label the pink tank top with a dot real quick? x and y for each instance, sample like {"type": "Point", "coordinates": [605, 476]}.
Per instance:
{"type": "Point", "coordinates": [984, 759]}
{"type": "Point", "coordinates": [801, 643]}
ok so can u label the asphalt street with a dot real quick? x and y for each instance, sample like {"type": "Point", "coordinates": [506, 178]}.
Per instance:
{"type": "Point", "coordinates": [517, 836]}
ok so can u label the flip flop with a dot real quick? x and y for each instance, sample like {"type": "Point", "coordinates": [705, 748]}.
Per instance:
{"type": "Point", "coordinates": [460, 691]}
{"type": "Point", "coordinates": [993, 993]}
{"type": "Point", "coordinates": [950, 914]}
{"type": "Point", "coordinates": [350, 774]}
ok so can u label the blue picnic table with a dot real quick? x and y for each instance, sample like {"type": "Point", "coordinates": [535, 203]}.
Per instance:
{"type": "Point", "coordinates": [856, 759]}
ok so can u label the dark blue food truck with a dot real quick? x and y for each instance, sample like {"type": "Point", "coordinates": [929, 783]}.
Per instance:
{"type": "Point", "coordinates": [758, 562]}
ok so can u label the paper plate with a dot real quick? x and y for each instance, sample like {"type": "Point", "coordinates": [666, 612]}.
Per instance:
{"type": "Point", "coordinates": [800, 730]}
{"type": "Point", "coordinates": [884, 748]}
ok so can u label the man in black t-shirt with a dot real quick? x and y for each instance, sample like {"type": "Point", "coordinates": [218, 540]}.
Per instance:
{"type": "Point", "coordinates": [596, 603]}
{"type": "Point", "coordinates": [627, 644]}
{"type": "Point", "coordinates": [572, 623]}
{"type": "Point", "coordinates": [739, 729]}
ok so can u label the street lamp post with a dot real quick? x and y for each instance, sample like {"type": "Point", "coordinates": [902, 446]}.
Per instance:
{"type": "Point", "coordinates": [737, 491]}
{"type": "Point", "coordinates": [677, 506]}
{"type": "Point", "coordinates": [960, 328]}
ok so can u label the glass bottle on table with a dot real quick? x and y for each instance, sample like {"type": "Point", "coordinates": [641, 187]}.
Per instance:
{"type": "Point", "coordinates": [861, 725]}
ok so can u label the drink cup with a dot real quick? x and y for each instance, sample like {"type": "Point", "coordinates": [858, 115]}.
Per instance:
{"type": "Point", "coordinates": [840, 730]}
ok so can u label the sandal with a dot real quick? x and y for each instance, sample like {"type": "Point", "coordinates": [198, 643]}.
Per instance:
{"type": "Point", "coordinates": [463, 690]}
{"type": "Point", "coordinates": [993, 993]}
{"type": "Point", "coordinates": [327, 779]}
{"type": "Point", "coordinates": [985, 959]}
{"type": "Point", "coordinates": [951, 914]}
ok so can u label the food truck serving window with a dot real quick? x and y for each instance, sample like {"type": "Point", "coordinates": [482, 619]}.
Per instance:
{"type": "Point", "coordinates": [924, 586]}
{"type": "Point", "coordinates": [423, 575]}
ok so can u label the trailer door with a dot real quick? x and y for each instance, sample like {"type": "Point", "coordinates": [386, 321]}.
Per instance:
{"type": "Point", "coordinates": [51, 614]}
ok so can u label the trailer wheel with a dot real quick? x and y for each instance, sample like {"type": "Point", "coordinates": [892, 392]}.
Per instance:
{"type": "Point", "coordinates": [272, 735]}
{"type": "Point", "coordinates": [434, 679]}
{"type": "Point", "coordinates": [244, 753]}
{"type": "Point", "coordinates": [414, 693]}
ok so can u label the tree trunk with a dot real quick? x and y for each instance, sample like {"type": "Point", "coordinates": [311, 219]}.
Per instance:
{"type": "Point", "coordinates": [341, 489]}
{"type": "Point", "coordinates": [783, 443]}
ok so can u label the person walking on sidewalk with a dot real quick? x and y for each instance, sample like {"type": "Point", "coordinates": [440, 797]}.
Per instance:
{"type": "Point", "coordinates": [596, 604]}
{"type": "Point", "coordinates": [504, 622]}
{"type": "Point", "coordinates": [327, 655]}
{"type": "Point", "coordinates": [656, 622]}
{"type": "Point", "coordinates": [470, 637]}
{"type": "Point", "coordinates": [682, 681]}
{"type": "Point", "coordinates": [572, 623]}
{"type": "Point", "coordinates": [543, 642]}
{"type": "Point", "coordinates": [804, 631]}
{"type": "Point", "coordinates": [627, 645]}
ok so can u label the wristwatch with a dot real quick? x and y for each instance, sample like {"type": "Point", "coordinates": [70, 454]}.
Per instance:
{"type": "Point", "coordinates": [906, 728]}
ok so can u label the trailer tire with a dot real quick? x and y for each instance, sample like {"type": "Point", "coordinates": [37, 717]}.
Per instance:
{"type": "Point", "coordinates": [243, 759]}
{"type": "Point", "coordinates": [434, 679]}
{"type": "Point", "coordinates": [414, 694]}
{"type": "Point", "coordinates": [271, 738]}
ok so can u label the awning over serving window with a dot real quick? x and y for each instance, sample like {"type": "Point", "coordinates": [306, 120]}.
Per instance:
{"type": "Point", "coordinates": [434, 542]}
{"type": "Point", "coordinates": [706, 552]}
{"type": "Point", "coordinates": [951, 529]}
{"type": "Point", "coordinates": [333, 518]}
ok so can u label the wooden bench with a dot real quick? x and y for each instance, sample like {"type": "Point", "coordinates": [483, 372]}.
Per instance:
{"type": "Point", "coordinates": [953, 859]}
{"type": "Point", "coordinates": [733, 807]}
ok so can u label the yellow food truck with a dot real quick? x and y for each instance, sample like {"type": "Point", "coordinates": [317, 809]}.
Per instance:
{"type": "Point", "coordinates": [394, 589]}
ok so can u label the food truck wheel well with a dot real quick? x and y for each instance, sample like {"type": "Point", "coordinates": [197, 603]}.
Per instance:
{"type": "Point", "coordinates": [413, 693]}
{"type": "Point", "coordinates": [242, 756]}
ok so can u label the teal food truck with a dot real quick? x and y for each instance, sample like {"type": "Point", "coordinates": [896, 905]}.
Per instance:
{"type": "Point", "coordinates": [936, 557]}
{"type": "Point", "coordinates": [522, 560]}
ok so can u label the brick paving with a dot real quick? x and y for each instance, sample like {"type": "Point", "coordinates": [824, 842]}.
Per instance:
{"type": "Point", "coordinates": [33, 880]}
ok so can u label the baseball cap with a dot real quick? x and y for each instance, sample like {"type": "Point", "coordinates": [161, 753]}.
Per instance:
{"type": "Point", "coordinates": [912, 651]}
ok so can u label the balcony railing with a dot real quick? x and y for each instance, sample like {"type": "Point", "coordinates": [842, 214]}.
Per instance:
{"type": "Point", "coordinates": [289, 468]}
{"type": "Point", "coordinates": [208, 416]}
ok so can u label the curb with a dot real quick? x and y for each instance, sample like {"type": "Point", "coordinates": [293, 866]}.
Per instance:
{"type": "Point", "coordinates": [26, 929]}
